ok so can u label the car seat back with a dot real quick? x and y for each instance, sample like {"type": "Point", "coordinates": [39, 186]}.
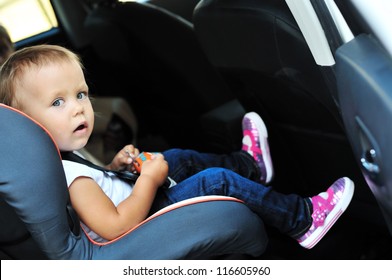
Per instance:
{"type": "Point", "coordinates": [71, 15]}
{"type": "Point", "coordinates": [259, 48]}
{"type": "Point", "coordinates": [30, 167]}
{"type": "Point", "coordinates": [156, 58]}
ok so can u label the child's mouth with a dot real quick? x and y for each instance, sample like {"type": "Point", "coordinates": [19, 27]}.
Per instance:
{"type": "Point", "coordinates": [80, 127]}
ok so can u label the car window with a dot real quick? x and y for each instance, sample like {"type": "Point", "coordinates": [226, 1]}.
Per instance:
{"type": "Point", "coordinates": [26, 18]}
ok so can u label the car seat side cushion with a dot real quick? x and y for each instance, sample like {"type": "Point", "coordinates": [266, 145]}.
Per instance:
{"type": "Point", "coordinates": [184, 203]}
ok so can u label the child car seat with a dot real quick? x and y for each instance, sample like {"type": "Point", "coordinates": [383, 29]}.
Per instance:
{"type": "Point", "coordinates": [38, 221]}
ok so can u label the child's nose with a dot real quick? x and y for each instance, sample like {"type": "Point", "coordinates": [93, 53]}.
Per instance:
{"type": "Point", "coordinates": [78, 108]}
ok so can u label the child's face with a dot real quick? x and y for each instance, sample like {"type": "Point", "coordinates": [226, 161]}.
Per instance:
{"type": "Point", "coordinates": [56, 95]}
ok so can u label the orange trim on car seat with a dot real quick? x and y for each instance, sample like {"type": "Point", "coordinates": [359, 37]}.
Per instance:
{"type": "Point", "coordinates": [167, 209]}
{"type": "Point", "coordinates": [37, 123]}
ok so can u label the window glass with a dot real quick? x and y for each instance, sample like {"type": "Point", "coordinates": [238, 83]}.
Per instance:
{"type": "Point", "coordinates": [26, 18]}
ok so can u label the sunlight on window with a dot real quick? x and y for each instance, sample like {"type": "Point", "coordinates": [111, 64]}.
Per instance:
{"type": "Point", "coordinates": [26, 18]}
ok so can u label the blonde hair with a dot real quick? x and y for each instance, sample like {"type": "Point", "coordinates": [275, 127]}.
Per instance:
{"type": "Point", "coordinates": [23, 60]}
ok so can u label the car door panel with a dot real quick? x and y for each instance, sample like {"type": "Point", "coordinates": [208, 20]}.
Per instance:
{"type": "Point", "coordinates": [364, 79]}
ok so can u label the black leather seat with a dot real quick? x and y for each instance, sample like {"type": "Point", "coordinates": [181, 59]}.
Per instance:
{"type": "Point", "coordinates": [38, 222]}
{"type": "Point", "coordinates": [155, 56]}
{"type": "Point", "coordinates": [259, 47]}
{"type": "Point", "coordinates": [260, 50]}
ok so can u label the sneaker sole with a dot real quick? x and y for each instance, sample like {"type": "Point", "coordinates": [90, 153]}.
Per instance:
{"type": "Point", "coordinates": [265, 148]}
{"type": "Point", "coordinates": [342, 205]}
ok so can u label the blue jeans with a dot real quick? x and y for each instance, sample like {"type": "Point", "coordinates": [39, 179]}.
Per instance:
{"type": "Point", "coordinates": [235, 175]}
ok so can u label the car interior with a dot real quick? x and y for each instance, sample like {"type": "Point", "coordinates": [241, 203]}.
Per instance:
{"type": "Point", "coordinates": [182, 73]}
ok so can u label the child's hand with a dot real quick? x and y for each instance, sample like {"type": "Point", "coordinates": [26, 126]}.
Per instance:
{"type": "Point", "coordinates": [124, 159]}
{"type": "Point", "coordinates": [157, 168]}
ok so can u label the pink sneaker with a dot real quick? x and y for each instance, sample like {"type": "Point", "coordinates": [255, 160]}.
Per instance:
{"type": "Point", "coordinates": [327, 208]}
{"type": "Point", "coordinates": [255, 143]}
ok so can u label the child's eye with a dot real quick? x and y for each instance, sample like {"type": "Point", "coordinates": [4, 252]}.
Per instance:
{"type": "Point", "coordinates": [81, 95]}
{"type": "Point", "coordinates": [58, 102]}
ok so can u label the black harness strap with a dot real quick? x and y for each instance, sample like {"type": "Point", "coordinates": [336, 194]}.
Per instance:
{"type": "Point", "coordinates": [125, 175]}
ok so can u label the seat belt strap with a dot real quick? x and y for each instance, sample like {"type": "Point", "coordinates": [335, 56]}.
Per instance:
{"type": "Point", "coordinates": [125, 175]}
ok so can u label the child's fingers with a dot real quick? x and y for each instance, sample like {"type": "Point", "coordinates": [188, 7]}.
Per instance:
{"type": "Point", "coordinates": [126, 157]}
{"type": "Point", "coordinates": [131, 151]}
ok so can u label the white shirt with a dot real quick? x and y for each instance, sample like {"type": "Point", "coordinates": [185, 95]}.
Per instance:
{"type": "Point", "coordinates": [116, 189]}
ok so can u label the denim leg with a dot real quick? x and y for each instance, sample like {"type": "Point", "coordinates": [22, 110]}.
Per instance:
{"type": "Point", "coordinates": [185, 163]}
{"type": "Point", "coordinates": [288, 213]}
